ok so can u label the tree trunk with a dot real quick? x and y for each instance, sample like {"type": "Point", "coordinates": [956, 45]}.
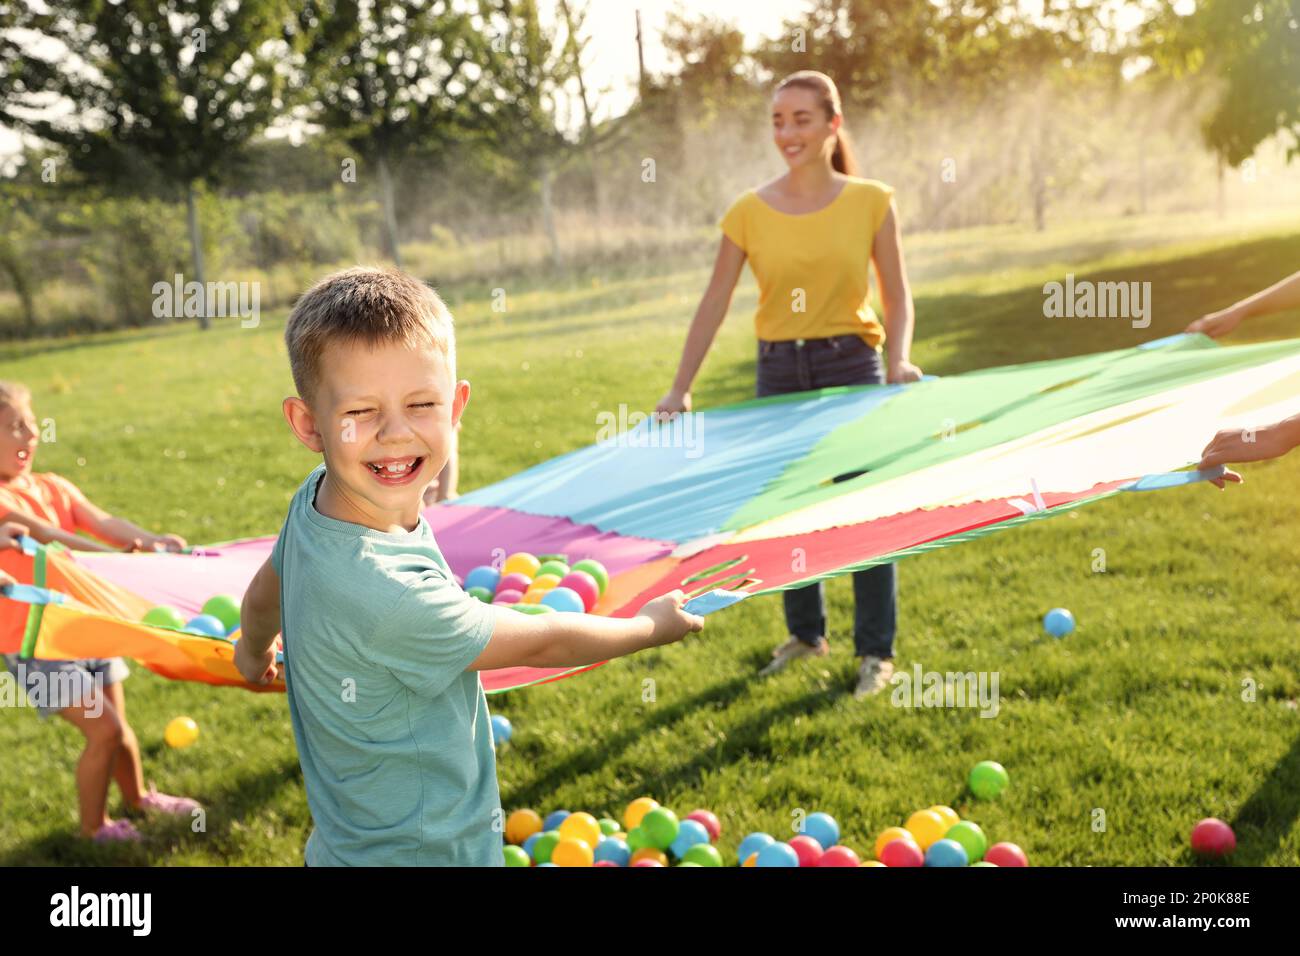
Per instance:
{"type": "Point", "coordinates": [196, 248]}
{"type": "Point", "coordinates": [390, 211]}
{"type": "Point", "coordinates": [22, 287]}
{"type": "Point", "coordinates": [548, 215]}
{"type": "Point", "coordinates": [1219, 204]}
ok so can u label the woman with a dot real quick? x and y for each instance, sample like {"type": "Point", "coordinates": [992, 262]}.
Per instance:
{"type": "Point", "coordinates": [809, 236]}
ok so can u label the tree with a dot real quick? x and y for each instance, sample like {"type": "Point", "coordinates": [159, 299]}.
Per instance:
{"type": "Point", "coordinates": [178, 85]}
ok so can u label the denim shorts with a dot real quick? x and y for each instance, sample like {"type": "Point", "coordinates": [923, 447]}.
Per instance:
{"type": "Point", "coordinates": [53, 685]}
{"type": "Point", "coordinates": [798, 365]}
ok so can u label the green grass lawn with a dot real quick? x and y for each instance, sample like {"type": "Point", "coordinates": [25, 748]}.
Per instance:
{"type": "Point", "coordinates": [1139, 713]}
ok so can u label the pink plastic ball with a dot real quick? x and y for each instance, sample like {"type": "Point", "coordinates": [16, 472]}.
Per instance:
{"type": "Point", "coordinates": [904, 853]}
{"type": "Point", "coordinates": [508, 596]}
{"type": "Point", "coordinates": [585, 585]}
{"type": "Point", "coordinates": [645, 861]}
{"type": "Point", "coordinates": [839, 856]}
{"type": "Point", "coordinates": [514, 582]}
{"type": "Point", "coordinates": [1006, 854]}
{"type": "Point", "coordinates": [1213, 838]}
{"type": "Point", "coordinates": [707, 820]}
{"type": "Point", "coordinates": [606, 863]}
{"type": "Point", "coordinates": [808, 850]}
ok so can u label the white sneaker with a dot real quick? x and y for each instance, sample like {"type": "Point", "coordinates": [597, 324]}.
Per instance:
{"type": "Point", "coordinates": [792, 650]}
{"type": "Point", "coordinates": [873, 676]}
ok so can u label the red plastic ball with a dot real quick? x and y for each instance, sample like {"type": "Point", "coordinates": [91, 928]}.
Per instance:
{"type": "Point", "coordinates": [839, 856]}
{"type": "Point", "coordinates": [1213, 838]}
{"type": "Point", "coordinates": [808, 850]}
{"type": "Point", "coordinates": [645, 861]}
{"type": "Point", "coordinates": [606, 863]}
{"type": "Point", "coordinates": [904, 853]}
{"type": "Point", "coordinates": [585, 586]}
{"type": "Point", "coordinates": [707, 820]}
{"type": "Point", "coordinates": [1006, 854]}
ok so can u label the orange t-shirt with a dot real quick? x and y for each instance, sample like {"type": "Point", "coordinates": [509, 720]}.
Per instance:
{"type": "Point", "coordinates": [46, 497]}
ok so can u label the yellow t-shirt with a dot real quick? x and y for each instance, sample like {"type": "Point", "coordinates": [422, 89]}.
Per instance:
{"type": "Point", "coordinates": [812, 269]}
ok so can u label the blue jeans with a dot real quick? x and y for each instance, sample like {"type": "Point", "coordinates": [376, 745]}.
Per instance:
{"type": "Point", "coordinates": [797, 366]}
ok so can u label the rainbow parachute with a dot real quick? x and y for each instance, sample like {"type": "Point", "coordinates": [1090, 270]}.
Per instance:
{"type": "Point", "coordinates": [744, 499]}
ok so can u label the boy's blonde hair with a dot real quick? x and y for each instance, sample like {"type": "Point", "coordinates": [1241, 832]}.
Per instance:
{"type": "Point", "coordinates": [14, 392]}
{"type": "Point", "coordinates": [364, 304]}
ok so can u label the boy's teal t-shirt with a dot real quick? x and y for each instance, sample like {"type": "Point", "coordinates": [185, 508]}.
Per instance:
{"type": "Point", "coordinates": [393, 732]}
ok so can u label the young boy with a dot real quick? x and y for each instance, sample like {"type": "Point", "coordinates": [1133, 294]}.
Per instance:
{"type": "Point", "coordinates": [381, 648]}
{"type": "Point", "coordinates": [87, 694]}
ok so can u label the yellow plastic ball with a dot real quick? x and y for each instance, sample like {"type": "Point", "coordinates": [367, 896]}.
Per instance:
{"type": "Point", "coordinates": [572, 852]}
{"type": "Point", "coordinates": [871, 863]}
{"type": "Point", "coordinates": [521, 562]}
{"type": "Point", "coordinates": [636, 810]}
{"type": "Point", "coordinates": [545, 582]}
{"type": "Point", "coordinates": [531, 597]}
{"type": "Point", "coordinates": [751, 860]}
{"type": "Point", "coordinates": [926, 828]}
{"type": "Point", "coordinates": [650, 853]}
{"type": "Point", "coordinates": [181, 732]}
{"type": "Point", "coordinates": [581, 826]}
{"type": "Point", "coordinates": [889, 836]}
{"type": "Point", "coordinates": [522, 824]}
{"type": "Point", "coordinates": [947, 814]}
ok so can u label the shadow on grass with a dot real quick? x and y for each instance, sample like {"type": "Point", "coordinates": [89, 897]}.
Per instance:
{"type": "Point", "coordinates": [1270, 813]}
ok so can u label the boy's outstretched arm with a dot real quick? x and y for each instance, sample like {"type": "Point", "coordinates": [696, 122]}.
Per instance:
{"type": "Point", "coordinates": [1276, 298]}
{"type": "Point", "coordinates": [45, 533]}
{"type": "Point", "coordinates": [1234, 445]}
{"type": "Point", "coordinates": [575, 640]}
{"type": "Point", "coordinates": [120, 531]}
{"type": "Point", "coordinates": [259, 623]}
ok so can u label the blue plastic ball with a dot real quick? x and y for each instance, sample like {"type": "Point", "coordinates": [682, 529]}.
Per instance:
{"type": "Point", "coordinates": [553, 821]}
{"type": "Point", "coordinates": [822, 828]}
{"type": "Point", "coordinates": [484, 576]}
{"type": "Point", "coordinates": [753, 844]}
{"type": "Point", "coordinates": [207, 624]}
{"type": "Point", "coordinates": [614, 851]}
{"type": "Point", "coordinates": [689, 833]}
{"type": "Point", "coordinates": [946, 853]}
{"type": "Point", "coordinates": [501, 730]}
{"type": "Point", "coordinates": [777, 854]}
{"type": "Point", "coordinates": [563, 599]}
{"type": "Point", "coordinates": [1058, 622]}
{"type": "Point", "coordinates": [528, 844]}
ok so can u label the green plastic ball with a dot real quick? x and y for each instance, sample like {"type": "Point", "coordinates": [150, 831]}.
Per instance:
{"type": "Point", "coordinates": [638, 839]}
{"type": "Point", "coordinates": [481, 593]}
{"type": "Point", "coordinates": [609, 827]}
{"type": "Point", "coordinates": [558, 568]}
{"type": "Point", "coordinates": [661, 826]}
{"type": "Point", "coordinates": [165, 616]}
{"type": "Point", "coordinates": [703, 854]}
{"type": "Point", "coordinates": [225, 609]}
{"type": "Point", "coordinates": [596, 570]}
{"type": "Point", "coordinates": [544, 845]}
{"type": "Point", "coordinates": [515, 855]}
{"type": "Point", "coordinates": [988, 778]}
{"type": "Point", "coordinates": [971, 838]}
{"type": "Point", "coordinates": [532, 608]}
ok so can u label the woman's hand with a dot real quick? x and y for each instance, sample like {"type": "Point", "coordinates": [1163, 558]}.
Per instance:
{"type": "Point", "coordinates": [672, 404]}
{"type": "Point", "coordinates": [1217, 324]}
{"type": "Point", "coordinates": [903, 372]}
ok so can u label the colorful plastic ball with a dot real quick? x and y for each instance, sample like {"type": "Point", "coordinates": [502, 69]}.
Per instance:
{"type": "Point", "coordinates": [840, 856]}
{"type": "Point", "coordinates": [636, 810]}
{"type": "Point", "coordinates": [807, 849]}
{"type": "Point", "coordinates": [501, 731]}
{"type": "Point", "coordinates": [650, 853]}
{"type": "Point", "coordinates": [532, 608]}
{"type": "Point", "coordinates": [902, 853]}
{"type": "Point", "coordinates": [971, 838]}
{"type": "Point", "coordinates": [703, 854]}
{"type": "Point", "coordinates": [1212, 838]}
{"type": "Point", "coordinates": [581, 826]}
{"type": "Point", "coordinates": [508, 596]}
{"type": "Point", "coordinates": [709, 821]}
{"type": "Point", "coordinates": [533, 596]}
{"type": "Point", "coordinates": [889, 835]}
{"type": "Point", "coordinates": [544, 846]}
{"type": "Point", "coordinates": [585, 586]}
{"type": "Point", "coordinates": [1006, 854]}
{"type": "Point", "coordinates": [515, 856]}
{"type": "Point", "coordinates": [1058, 622]}
{"type": "Point", "coordinates": [751, 860]}
{"type": "Point", "coordinates": [181, 732]}
{"type": "Point", "coordinates": [513, 582]}
{"type": "Point", "coordinates": [753, 843]}
{"type": "Point", "coordinates": [689, 833]}
{"type": "Point", "coordinates": [564, 599]}
{"type": "Point", "coordinates": [545, 582]}
{"type": "Point", "coordinates": [554, 819]}
{"type": "Point", "coordinates": [480, 594]}
{"type": "Point", "coordinates": [165, 616]}
{"type": "Point", "coordinates": [946, 853]}
{"type": "Point", "coordinates": [638, 839]}
{"type": "Point", "coordinates": [521, 562]}
{"type": "Point", "coordinates": [947, 814]}
{"type": "Point", "coordinates": [822, 828]}
{"type": "Point", "coordinates": [689, 863]}
{"type": "Point", "coordinates": [613, 851]}
{"type": "Point", "coordinates": [206, 625]}
{"type": "Point", "coordinates": [646, 861]}
{"type": "Point", "coordinates": [225, 608]}
{"type": "Point", "coordinates": [553, 568]}
{"type": "Point", "coordinates": [778, 854]}
{"type": "Point", "coordinates": [871, 863]}
{"type": "Point", "coordinates": [926, 827]}
{"type": "Point", "coordinates": [484, 576]}
{"type": "Point", "coordinates": [547, 863]}
{"type": "Point", "coordinates": [660, 826]}
{"type": "Point", "coordinates": [571, 851]}
{"type": "Point", "coordinates": [984, 863]}
{"type": "Point", "coordinates": [606, 863]}
{"type": "Point", "coordinates": [608, 827]}
{"type": "Point", "coordinates": [596, 570]}
{"type": "Point", "coordinates": [522, 824]}
{"type": "Point", "coordinates": [988, 779]}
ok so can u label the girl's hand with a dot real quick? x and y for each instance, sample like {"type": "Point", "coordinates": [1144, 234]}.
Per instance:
{"type": "Point", "coordinates": [168, 542]}
{"type": "Point", "coordinates": [1217, 324]}
{"type": "Point", "coordinates": [901, 372]}
{"type": "Point", "coordinates": [10, 532]}
{"type": "Point", "coordinates": [672, 404]}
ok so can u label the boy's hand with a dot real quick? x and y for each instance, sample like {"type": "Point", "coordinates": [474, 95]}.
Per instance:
{"type": "Point", "coordinates": [166, 542]}
{"type": "Point", "coordinates": [671, 623]}
{"type": "Point", "coordinates": [256, 669]}
{"type": "Point", "coordinates": [10, 532]}
{"type": "Point", "coordinates": [1233, 445]}
{"type": "Point", "coordinates": [671, 405]}
{"type": "Point", "coordinates": [1217, 324]}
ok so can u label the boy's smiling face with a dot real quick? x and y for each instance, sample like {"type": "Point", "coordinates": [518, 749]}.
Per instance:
{"type": "Point", "coordinates": [18, 439]}
{"type": "Point", "coordinates": [384, 418]}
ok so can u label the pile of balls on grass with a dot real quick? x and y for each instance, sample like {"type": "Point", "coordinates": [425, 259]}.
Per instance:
{"type": "Point", "coordinates": [541, 584]}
